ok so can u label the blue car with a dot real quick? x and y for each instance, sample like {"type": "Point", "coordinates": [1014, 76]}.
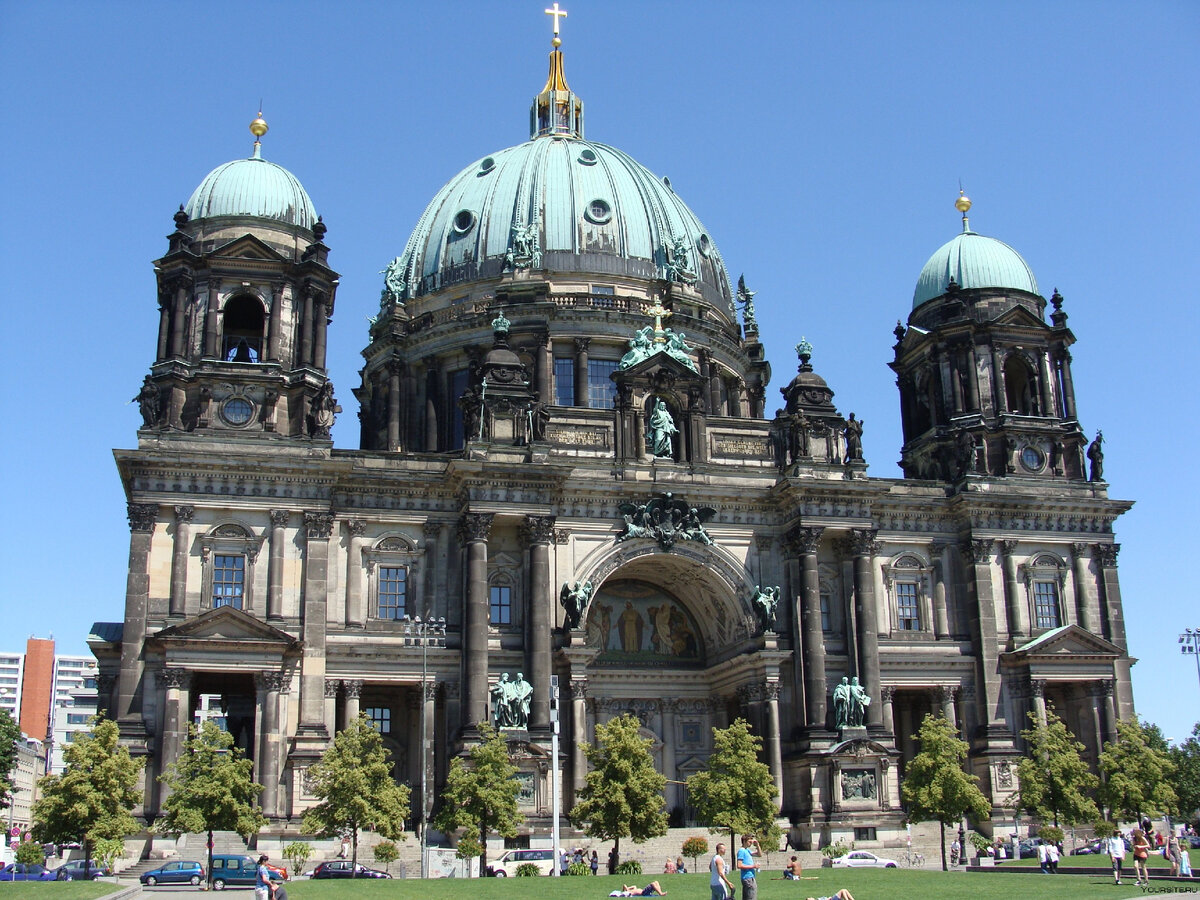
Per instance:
{"type": "Point", "coordinates": [26, 872]}
{"type": "Point", "coordinates": [178, 872]}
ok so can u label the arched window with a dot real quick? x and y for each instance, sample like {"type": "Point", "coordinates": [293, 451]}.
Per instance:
{"type": "Point", "coordinates": [243, 327]}
{"type": "Point", "coordinates": [1045, 578]}
{"type": "Point", "coordinates": [1020, 386]}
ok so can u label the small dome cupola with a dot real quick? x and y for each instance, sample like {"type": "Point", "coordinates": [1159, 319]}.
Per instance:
{"type": "Point", "coordinates": [972, 260]}
{"type": "Point", "coordinates": [253, 187]}
{"type": "Point", "coordinates": [557, 110]}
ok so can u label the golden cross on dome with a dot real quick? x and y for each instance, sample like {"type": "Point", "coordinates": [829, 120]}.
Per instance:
{"type": "Point", "coordinates": [659, 312]}
{"type": "Point", "coordinates": [557, 13]}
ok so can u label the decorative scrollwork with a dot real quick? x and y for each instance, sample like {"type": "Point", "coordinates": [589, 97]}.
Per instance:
{"type": "Point", "coordinates": [666, 519]}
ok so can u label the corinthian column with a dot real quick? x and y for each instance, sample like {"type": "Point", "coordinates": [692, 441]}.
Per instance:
{"type": "Point", "coordinates": [865, 549]}
{"type": "Point", "coordinates": [179, 559]}
{"type": "Point", "coordinates": [538, 532]}
{"type": "Point", "coordinates": [137, 596]}
{"type": "Point", "coordinates": [473, 531]}
{"type": "Point", "coordinates": [804, 542]}
{"type": "Point", "coordinates": [279, 521]}
{"type": "Point", "coordinates": [270, 686]}
{"type": "Point", "coordinates": [176, 707]}
{"type": "Point", "coordinates": [1018, 615]}
{"type": "Point", "coordinates": [773, 744]}
{"type": "Point", "coordinates": [354, 593]}
{"type": "Point", "coordinates": [318, 527]}
{"type": "Point", "coordinates": [1083, 602]}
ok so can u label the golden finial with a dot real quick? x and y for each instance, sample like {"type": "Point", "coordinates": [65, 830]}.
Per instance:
{"type": "Point", "coordinates": [962, 204]}
{"type": "Point", "coordinates": [557, 13]}
{"type": "Point", "coordinates": [259, 126]}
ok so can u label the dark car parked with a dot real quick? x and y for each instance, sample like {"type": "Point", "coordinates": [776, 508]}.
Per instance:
{"type": "Point", "coordinates": [342, 868]}
{"type": "Point", "coordinates": [1098, 846]}
{"type": "Point", "coordinates": [23, 872]}
{"type": "Point", "coordinates": [178, 872]}
{"type": "Point", "coordinates": [238, 870]}
{"type": "Point", "coordinates": [81, 869]}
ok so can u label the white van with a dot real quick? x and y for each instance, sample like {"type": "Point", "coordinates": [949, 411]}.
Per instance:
{"type": "Point", "coordinates": [506, 865]}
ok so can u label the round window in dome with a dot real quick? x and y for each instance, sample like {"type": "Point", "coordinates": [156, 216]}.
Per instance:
{"type": "Point", "coordinates": [486, 165]}
{"type": "Point", "coordinates": [598, 211]}
{"type": "Point", "coordinates": [704, 245]}
{"type": "Point", "coordinates": [588, 157]}
{"type": "Point", "coordinates": [237, 411]}
{"type": "Point", "coordinates": [464, 221]}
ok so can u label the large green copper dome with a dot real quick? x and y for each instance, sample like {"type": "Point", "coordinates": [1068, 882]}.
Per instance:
{"type": "Point", "coordinates": [561, 204]}
{"type": "Point", "coordinates": [973, 261]}
{"type": "Point", "coordinates": [252, 187]}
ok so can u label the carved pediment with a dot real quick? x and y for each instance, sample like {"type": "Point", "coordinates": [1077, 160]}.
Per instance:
{"type": "Point", "coordinates": [1019, 315]}
{"type": "Point", "coordinates": [224, 625]}
{"type": "Point", "coordinates": [658, 362]}
{"type": "Point", "coordinates": [1067, 641]}
{"type": "Point", "coordinates": [247, 247]}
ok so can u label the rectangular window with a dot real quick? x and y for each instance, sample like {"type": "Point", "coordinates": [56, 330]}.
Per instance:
{"type": "Point", "coordinates": [501, 605]}
{"type": "Point", "coordinates": [908, 617]}
{"type": "Point", "coordinates": [78, 718]}
{"type": "Point", "coordinates": [864, 834]}
{"type": "Point", "coordinates": [458, 386]}
{"type": "Point", "coordinates": [381, 718]}
{"type": "Point", "coordinates": [393, 587]}
{"type": "Point", "coordinates": [564, 381]}
{"type": "Point", "coordinates": [603, 290]}
{"type": "Point", "coordinates": [229, 580]}
{"type": "Point", "coordinates": [1045, 604]}
{"type": "Point", "coordinates": [826, 621]}
{"type": "Point", "coordinates": [601, 389]}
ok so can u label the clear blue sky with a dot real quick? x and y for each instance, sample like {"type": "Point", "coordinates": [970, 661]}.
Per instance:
{"type": "Point", "coordinates": [821, 145]}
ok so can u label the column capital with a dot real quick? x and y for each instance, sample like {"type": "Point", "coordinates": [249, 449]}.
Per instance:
{"type": "Point", "coordinates": [1037, 687]}
{"type": "Point", "coordinates": [141, 516]}
{"type": "Point", "coordinates": [352, 687]}
{"type": "Point", "coordinates": [356, 527]}
{"type": "Point", "coordinates": [430, 691]}
{"type": "Point", "coordinates": [1107, 554]}
{"type": "Point", "coordinates": [331, 688]}
{"type": "Point", "coordinates": [431, 530]}
{"type": "Point", "coordinates": [271, 682]}
{"type": "Point", "coordinates": [582, 344]}
{"type": "Point", "coordinates": [395, 367]}
{"type": "Point", "coordinates": [579, 688]}
{"type": "Point", "coordinates": [318, 525]}
{"type": "Point", "coordinates": [1079, 550]}
{"type": "Point", "coordinates": [538, 529]}
{"type": "Point", "coordinates": [183, 514]}
{"type": "Point", "coordinates": [803, 540]}
{"type": "Point", "coordinates": [887, 693]}
{"type": "Point", "coordinates": [763, 542]}
{"type": "Point", "coordinates": [475, 527]}
{"type": "Point", "coordinates": [280, 517]}
{"type": "Point", "coordinates": [979, 550]}
{"type": "Point", "coordinates": [175, 678]}
{"type": "Point", "coordinates": [863, 543]}
{"type": "Point", "coordinates": [1008, 547]}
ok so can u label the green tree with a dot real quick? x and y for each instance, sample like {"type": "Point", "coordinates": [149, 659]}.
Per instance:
{"type": "Point", "coordinates": [736, 792]}
{"type": "Point", "coordinates": [481, 797]}
{"type": "Point", "coordinates": [1055, 782]}
{"type": "Point", "coordinates": [354, 783]}
{"type": "Point", "coordinates": [695, 847]}
{"type": "Point", "coordinates": [1136, 774]}
{"type": "Point", "coordinates": [623, 792]}
{"type": "Point", "coordinates": [10, 733]}
{"type": "Point", "coordinates": [29, 852]}
{"type": "Point", "coordinates": [935, 785]}
{"type": "Point", "coordinates": [297, 853]}
{"type": "Point", "coordinates": [387, 853]}
{"type": "Point", "coordinates": [1186, 757]}
{"type": "Point", "coordinates": [210, 789]}
{"type": "Point", "coordinates": [93, 798]}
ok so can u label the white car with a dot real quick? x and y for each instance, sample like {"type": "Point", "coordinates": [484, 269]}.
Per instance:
{"type": "Point", "coordinates": [861, 858]}
{"type": "Point", "coordinates": [506, 865]}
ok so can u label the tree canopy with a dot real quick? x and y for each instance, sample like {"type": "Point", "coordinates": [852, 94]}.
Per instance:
{"type": "Point", "coordinates": [354, 783]}
{"type": "Point", "coordinates": [1136, 772]}
{"type": "Point", "coordinates": [93, 799]}
{"type": "Point", "coordinates": [935, 784]}
{"type": "Point", "coordinates": [210, 788]}
{"type": "Point", "coordinates": [10, 733]}
{"type": "Point", "coordinates": [1186, 757]}
{"type": "Point", "coordinates": [1055, 781]}
{"type": "Point", "coordinates": [481, 797]}
{"type": "Point", "coordinates": [623, 792]}
{"type": "Point", "coordinates": [736, 792]}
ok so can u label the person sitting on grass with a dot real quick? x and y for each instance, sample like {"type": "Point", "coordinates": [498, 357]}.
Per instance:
{"type": "Point", "coordinates": [842, 894]}
{"type": "Point", "coordinates": [632, 890]}
{"type": "Point", "coordinates": [793, 870]}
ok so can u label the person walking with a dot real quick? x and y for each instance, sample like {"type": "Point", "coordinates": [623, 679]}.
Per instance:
{"type": "Point", "coordinates": [719, 884]}
{"type": "Point", "coordinates": [747, 866]}
{"type": "Point", "coordinates": [1116, 852]}
{"type": "Point", "coordinates": [595, 863]}
{"type": "Point", "coordinates": [1052, 853]}
{"type": "Point", "coordinates": [1141, 852]}
{"type": "Point", "coordinates": [263, 889]}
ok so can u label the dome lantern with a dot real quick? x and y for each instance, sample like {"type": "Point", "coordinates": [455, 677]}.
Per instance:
{"type": "Point", "coordinates": [557, 110]}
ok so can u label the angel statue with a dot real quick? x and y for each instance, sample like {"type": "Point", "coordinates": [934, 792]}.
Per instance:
{"type": "Point", "coordinates": [745, 299]}
{"type": "Point", "coordinates": [766, 604]}
{"type": "Point", "coordinates": [393, 281]}
{"type": "Point", "coordinates": [574, 600]}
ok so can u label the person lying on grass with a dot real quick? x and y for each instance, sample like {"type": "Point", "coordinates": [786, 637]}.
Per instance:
{"type": "Point", "coordinates": [632, 890]}
{"type": "Point", "coordinates": [842, 894]}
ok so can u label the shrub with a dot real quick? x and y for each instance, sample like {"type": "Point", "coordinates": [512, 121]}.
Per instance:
{"type": "Point", "coordinates": [297, 853]}
{"type": "Point", "coordinates": [579, 868]}
{"type": "Point", "coordinates": [836, 849]}
{"type": "Point", "coordinates": [387, 853]}
{"type": "Point", "coordinates": [1050, 834]}
{"type": "Point", "coordinates": [1104, 829]}
{"type": "Point", "coordinates": [29, 853]}
{"type": "Point", "coordinates": [980, 843]}
{"type": "Point", "coordinates": [629, 867]}
{"type": "Point", "coordinates": [528, 870]}
{"type": "Point", "coordinates": [694, 847]}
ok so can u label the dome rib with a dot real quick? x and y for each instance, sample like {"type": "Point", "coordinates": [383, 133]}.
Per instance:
{"type": "Point", "coordinates": [252, 187]}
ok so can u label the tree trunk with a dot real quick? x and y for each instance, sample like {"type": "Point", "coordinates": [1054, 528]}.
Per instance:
{"type": "Point", "coordinates": [942, 825]}
{"type": "Point", "coordinates": [210, 859]}
{"type": "Point", "coordinates": [354, 852]}
{"type": "Point", "coordinates": [483, 833]}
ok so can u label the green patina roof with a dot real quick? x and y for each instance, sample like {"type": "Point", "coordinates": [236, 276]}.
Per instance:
{"type": "Point", "coordinates": [594, 209]}
{"type": "Point", "coordinates": [973, 261]}
{"type": "Point", "coordinates": [252, 187]}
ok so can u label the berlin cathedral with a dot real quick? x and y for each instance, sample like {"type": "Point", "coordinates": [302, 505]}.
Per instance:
{"type": "Point", "coordinates": [571, 469]}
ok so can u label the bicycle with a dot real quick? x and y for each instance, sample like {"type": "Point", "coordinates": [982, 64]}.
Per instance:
{"type": "Point", "coordinates": [914, 860]}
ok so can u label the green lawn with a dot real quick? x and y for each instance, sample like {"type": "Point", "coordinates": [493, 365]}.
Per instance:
{"type": "Point", "coordinates": [887, 884]}
{"type": "Point", "coordinates": [57, 890]}
{"type": "Point", "coordinates": [1098, 861]}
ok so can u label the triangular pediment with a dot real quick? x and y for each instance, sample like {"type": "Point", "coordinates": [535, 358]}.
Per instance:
{"type": "Point", "coordinates": [1019, 315]}
{"type": "Point", "coordinates": [247, 247]}
{"type": "Point", "coordinates": [660, 361]}
{"type": "Point", "coordinates": [1067, 641]}
{"type": "Point", "coordinates": [224, 624]}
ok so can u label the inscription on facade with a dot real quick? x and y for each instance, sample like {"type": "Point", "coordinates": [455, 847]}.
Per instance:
{"type": "Point", "coordinates": [743, 447]}
{"type": "Point", "coordinates": [578, 437]}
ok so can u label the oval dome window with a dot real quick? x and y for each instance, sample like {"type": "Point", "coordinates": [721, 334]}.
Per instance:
{"type": "Point", "coordinates": [588, 157]}
{"type": "Point", "coordinates": [464, 221]}
{"type": "Point", "coordinates": [486, 165]}
{"type": "Point", "coordinates": [704, 245]}
{"type": "Point", "coordinates": [598, 211]}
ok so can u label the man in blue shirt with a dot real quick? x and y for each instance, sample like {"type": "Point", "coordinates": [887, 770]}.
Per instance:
{"type": "Point", "coordinates": [748, 867]}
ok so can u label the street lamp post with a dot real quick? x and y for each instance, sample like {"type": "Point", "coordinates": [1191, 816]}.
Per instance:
{"type": "Point", "coordinates": [1189, 645]}
{"type": "Point", "coordinates": [422, 632]}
